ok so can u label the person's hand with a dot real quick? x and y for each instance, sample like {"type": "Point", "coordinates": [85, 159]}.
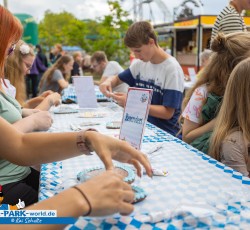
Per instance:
{"type": "Point", "coordinates": [97, 82]}
{"type": "Point", "coordinates": [42, 120]}
{"type": "Point", "coordinates": [46, 93]}
{"type": "Point", "coordinates": [33, 102]}
{"type": "Point", "coordinates": [106, 88]}
{"type": "Point", "coordinates": [187, 77]}
{"type": "Point", "coordinates": [108, 148]}
{"type": "Point", "coordinates": [20, 204]}
{"type": "Point", "coordinates": [120, 98]}
{"type": "Point", "coordinates": [54, 99]}
{"type": "Point", "coordinates": [108, 194]}
{"type": "Point", "coordinates": [28, 112]}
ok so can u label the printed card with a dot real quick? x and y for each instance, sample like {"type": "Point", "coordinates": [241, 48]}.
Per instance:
{"type": "Point", "coordinates": [135, 115]}
{"type": "Point", "coordinates": [192, 74]}
{"type": "Point", "coordinates": [85, 91]}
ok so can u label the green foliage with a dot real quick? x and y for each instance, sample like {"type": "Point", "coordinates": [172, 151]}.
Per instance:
{"type": "Point", "coordinates": [61, 28]}
{"type": "Point", "coordinates": [247, 13]}
{"type": "Point", "coordinates": [111, 32]}
{"type": "Point", "coordinates": [101, 34]}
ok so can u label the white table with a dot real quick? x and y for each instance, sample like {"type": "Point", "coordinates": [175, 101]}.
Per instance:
{"type": "Point", "coordinates": [195, 182]}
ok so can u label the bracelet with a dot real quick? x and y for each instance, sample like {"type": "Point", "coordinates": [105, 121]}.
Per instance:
{"type": "Point", "coordinates": [85, 197]}
{"type": "Point", "coordinates": [82, 144]}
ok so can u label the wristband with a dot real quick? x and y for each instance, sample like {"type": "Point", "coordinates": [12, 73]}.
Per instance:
{"type": "Point", "coordinates": [85, 197]}
{"type": "Point", "coordinates": [82, 144]}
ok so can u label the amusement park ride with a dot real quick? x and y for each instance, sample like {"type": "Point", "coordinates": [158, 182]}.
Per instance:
{"type": "Point", "coordinates": [140, 8]}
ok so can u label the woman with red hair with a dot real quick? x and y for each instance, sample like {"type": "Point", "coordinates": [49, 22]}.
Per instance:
{"type": "Point", "coordinates": [103, 195]}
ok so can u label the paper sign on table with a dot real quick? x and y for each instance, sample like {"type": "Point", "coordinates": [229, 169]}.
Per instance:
{"type": "Point", "coordinates": [85, 91]}
{"type": "Point", "coordinates": [135, 115]}
{"type": "Point", "coordinates": [192, 74]}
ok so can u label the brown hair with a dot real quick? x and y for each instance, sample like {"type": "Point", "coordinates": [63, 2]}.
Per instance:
{"type": "Point", "coordinates": [139, 34]}
{"type": "Point", "coordinates": [228, 51]}
{"type": "Point", "coordinates": [59, 47]}
{"type": "Point", "coordinates": [47, 76]}
{"type": "Point", "coordinates": [13, 70]}
{"type": "Point", "coordinates": [11, 31]}
{"type": "Point", "coordinates": [99, 56]}
{"type": "Point", "coordinates": [234, 112]}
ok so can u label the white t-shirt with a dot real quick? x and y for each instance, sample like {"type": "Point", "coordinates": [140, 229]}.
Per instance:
{"type": "Point", "coordinates": [113, 68]}
{"type": "Point", "coordinates": [10, 89]}
{"type": "Point", "coordinates": [167, 81]}
{"type": "Point", "coordinates": [193, 109]}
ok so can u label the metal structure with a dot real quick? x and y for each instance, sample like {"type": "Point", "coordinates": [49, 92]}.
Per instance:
{"type": "Point", "coordinates": [139, 7]}
{"type": "Point", "coordinates": [196, 3]}
{"type": "Point", "coordinates": [5, 3]}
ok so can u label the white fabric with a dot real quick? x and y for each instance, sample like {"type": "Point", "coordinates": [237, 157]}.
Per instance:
{"type": "Point", "coordinates": [113, 68]}
{"type": "Point", "coordinates": [11, 90]}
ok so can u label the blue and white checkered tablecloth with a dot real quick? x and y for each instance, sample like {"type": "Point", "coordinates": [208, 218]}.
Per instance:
{"type": "Point", "coordinates": [70, 94]}
{"type": "Point", "coordinates": [234, 215]}
{"type": "Point", "coordinates": [194, 180]}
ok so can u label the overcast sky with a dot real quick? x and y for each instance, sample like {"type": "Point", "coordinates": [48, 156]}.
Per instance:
{"type": "Point", "coordinates": [90, 9]}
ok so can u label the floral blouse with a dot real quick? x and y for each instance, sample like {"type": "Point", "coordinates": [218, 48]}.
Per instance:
{"type": "Point", "coordinates": [193, 109]}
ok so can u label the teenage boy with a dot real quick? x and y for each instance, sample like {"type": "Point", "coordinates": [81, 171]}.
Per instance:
{"type": "Point", "coordinates": [153, 69]}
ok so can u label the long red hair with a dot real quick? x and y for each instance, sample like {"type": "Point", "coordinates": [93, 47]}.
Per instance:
{"type": "Point", "coordinates": [11, 31]}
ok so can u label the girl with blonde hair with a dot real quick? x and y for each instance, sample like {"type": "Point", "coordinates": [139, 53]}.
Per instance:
{"type": "Point", "coordinates": [17, 66]}
{"type": "Point", "coordinates": [230, 140]}
{"type": "Point", "coordinates": [202, 102]}
{"type": "Point", "coordinates": [56, 78]}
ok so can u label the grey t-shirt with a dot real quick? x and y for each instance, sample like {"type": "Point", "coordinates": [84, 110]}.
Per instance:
{"type": "Point", "coordinates": [113, 68]}
{"type": "Point", "coordinates": [53, 85]}
{"type": "Point", "coordinates": [235, 154]}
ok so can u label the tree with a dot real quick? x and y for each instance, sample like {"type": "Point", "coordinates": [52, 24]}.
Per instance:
{"type": "Point", "coordinates": [101, 34]}
{"type": "Point", "coordinates": [62, 28]}
{"type": "Point", "coordinates": [110, 32]}
{"type": "Point", "coordinates": [247, 13]}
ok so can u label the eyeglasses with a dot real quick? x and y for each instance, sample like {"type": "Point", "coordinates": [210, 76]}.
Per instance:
{"type": "Point", "coordinates": [11, 49]}
{"type": "Point", "coordinates": [27, 66]}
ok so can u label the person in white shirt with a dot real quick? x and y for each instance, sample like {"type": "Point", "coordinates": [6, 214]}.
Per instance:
{"type": "Point", "coordinates": [102, 66]}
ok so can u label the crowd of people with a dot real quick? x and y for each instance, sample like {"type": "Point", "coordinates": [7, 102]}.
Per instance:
{"type": "Point", "coordinates": [20, 181]}
{"type": "Point", "coordinates": [212, 116]}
